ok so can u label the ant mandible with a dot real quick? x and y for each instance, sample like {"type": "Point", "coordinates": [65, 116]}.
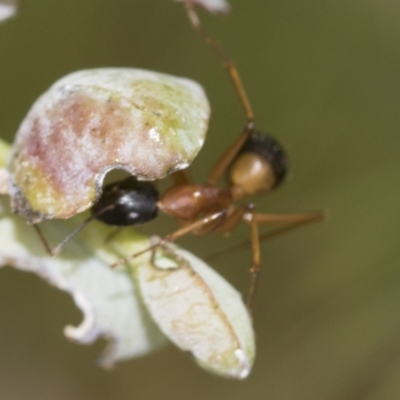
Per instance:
{"type": "Point", "coordinates": [255, 163]}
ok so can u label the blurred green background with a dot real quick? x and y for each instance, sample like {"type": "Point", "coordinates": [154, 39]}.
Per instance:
{"type": "Point", "coordinates": [324, 78]}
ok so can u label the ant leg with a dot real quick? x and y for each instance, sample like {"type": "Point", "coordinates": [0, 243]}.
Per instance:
{"type": "Point", "coordinates": [230, 222]}
{"type": "Point", "coordinates": [288, 227]}
{"type": "Point", "coordinates": [229, 155]}
{"type": "Point", "coordinates": [234, 218]}
{"type": "Point", "coordinates": [181, 177]}
{"type": "Point", "coordinates": [169, 252]}
{"type": "Point", "coordinates": [60, 246]}
{"type": "Point", "coordinates": [228, 63]}
{"type": "Point", "coordinates": [271, 234]}
{"type": "Point", "coordinates": [226, 159]}
{"type": "Point", "coordinates": [192, 227]}
{"type": "Point", "coordinates": [280, 219]}
{"type": "Point", "coordinates": [256, 265]}
{"type": "Point", "coordinates": [289, 221]}
{"type": "Point", "coordinates": [228, 225]}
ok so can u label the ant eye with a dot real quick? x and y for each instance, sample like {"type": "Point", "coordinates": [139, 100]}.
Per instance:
{"type": "Point", "coordinates": [271, 151]}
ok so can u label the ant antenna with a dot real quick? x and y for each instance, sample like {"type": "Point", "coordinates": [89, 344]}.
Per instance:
{"type": "Point", "coordinates": [60, 247]}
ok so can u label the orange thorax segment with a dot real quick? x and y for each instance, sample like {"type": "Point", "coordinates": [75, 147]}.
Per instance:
{"type": "Point", "coordinates": [186, 202]}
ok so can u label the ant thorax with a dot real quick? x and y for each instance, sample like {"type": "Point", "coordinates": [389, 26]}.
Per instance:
{"type": "Point", "coordinates": [187, 202]}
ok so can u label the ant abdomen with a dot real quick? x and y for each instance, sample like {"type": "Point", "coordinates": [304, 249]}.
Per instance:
{"type": "Point", "coordinates": [127, 202]}
{"type": "Point", "coordinates": [260, 166]}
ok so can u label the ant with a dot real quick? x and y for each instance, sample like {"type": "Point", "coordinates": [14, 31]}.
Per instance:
{"type": "Point", "coordinates": [255, 163]}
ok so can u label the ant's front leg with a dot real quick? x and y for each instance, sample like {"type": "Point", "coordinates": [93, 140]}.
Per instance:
{"type": "Point", "coordinates": [189, 228]}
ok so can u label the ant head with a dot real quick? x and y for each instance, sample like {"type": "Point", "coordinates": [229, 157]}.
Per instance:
{"type": "Point", "coordinates": [127, 202]}
{"type": "Point", "coordinates": [260, 165]}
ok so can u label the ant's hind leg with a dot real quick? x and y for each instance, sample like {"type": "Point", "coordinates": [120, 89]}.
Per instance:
{"type": "Point", "coordinates": [229, 155]}
{"type": "Point", "coordinates": [256, 265]}
{"type": "Point", "coordinates": [228, 63]}
{"type": "Point", "coordinates": [226, 159]}
{"type": "Point", "coordinates": [287, 223]}
{"type": "Point", "coordinates": [284, 219]}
